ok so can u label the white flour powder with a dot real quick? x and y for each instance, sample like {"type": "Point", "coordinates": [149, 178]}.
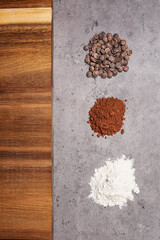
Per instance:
{"type": "Point", "coordinates": [114, 183]}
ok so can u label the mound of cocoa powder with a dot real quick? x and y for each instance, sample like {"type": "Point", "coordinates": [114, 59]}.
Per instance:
{"type": "Point", "coordinates": [106, 116]}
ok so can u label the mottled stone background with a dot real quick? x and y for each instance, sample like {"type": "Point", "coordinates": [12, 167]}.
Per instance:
{"type": "Point", "coordinates": [76, 152]}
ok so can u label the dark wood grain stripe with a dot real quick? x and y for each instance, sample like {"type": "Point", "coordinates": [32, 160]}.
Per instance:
{"type": "Point", "coordinates": [24, 3]}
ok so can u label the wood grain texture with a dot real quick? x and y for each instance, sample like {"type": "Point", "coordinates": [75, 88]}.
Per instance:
{"type": "Point", "coordinates": [25, 16]}
{"type": "Point", "coordinates": [24, 3]}
{"type": "Point", "coordinates": [25, 129]}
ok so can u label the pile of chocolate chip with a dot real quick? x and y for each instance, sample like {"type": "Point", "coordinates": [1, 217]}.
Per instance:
{"type": "Point", "coordinates": [107, 55]}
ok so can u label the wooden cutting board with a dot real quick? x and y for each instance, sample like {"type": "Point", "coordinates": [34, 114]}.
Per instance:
{"type": "Point", "coordinates": [25, 123]}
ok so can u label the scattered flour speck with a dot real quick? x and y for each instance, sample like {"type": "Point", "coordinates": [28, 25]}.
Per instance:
{"type": "Point", "coordinates": [114, 184]}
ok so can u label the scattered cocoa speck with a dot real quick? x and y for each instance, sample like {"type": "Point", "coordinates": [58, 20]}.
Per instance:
{"type": "Point", "coordinates": [126, 100]}
{"type": "Point", "coordinates": [98, 135]}
{"type": "Point", "coordinates": [92, 135]}
{"type": "Point", "coordinates": [105, 137]}
{"type": "Point", "coordinates": [122, 131]}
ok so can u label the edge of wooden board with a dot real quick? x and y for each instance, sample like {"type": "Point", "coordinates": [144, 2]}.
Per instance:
{"type": "Point", "coordinates": [25, 16]}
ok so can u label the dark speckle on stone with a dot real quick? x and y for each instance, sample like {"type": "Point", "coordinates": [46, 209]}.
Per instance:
{"type": "Point", "coordinates": [94, 24]}
{"type": "Point", "coordinates": [86, 30]}
{"type": "Point", "coordinates": [57, 198]}
{"type": "Point", "coordinates": [141, 204]}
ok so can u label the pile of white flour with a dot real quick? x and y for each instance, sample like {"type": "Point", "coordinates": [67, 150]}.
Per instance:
{"type": "Point", "coordinates": [114, 183]}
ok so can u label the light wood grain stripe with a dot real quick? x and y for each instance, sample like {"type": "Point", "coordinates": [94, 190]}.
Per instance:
{"type": "Point", "coordinates": [24, 105]}
{"type": "Point", "coordinates": [14, 163]}
{"type": "Point", "coordinates": [25, 16]}
{"type": "Point", "coordinates": [26, 149]}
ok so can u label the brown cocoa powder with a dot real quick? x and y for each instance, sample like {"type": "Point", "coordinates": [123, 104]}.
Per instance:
{"type": "Point", "coordinates": [106, 116]}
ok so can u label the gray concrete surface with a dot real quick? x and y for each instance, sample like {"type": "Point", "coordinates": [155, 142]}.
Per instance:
{"type": "Point", "coordinates": [76, 152]}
